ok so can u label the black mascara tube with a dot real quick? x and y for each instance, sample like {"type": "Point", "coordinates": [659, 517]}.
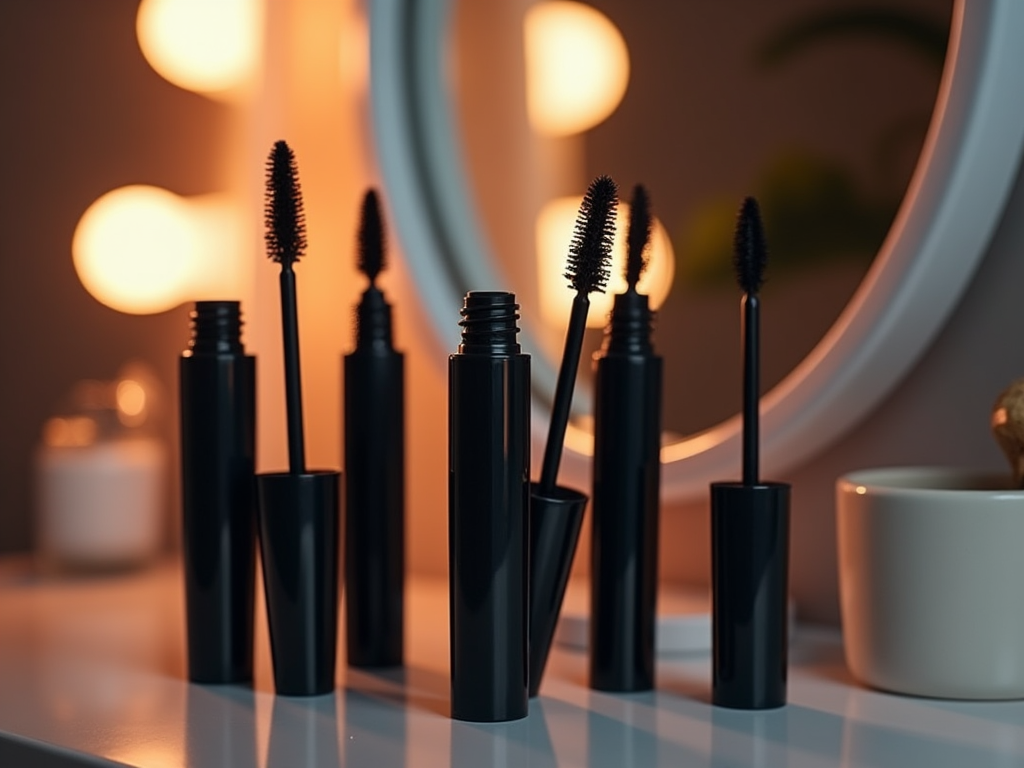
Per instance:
{"type": "Point", "coordinates": [218, 445]}
{"type": "Point", "coordinates": [488, 512]}
{"type": "Point", "coordinates": [374, 489]}
{"type": "Point", "coordinates": [627, 471]}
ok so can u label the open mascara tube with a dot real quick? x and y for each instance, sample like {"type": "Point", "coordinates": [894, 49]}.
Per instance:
{"type": "Point", "coordinates": [218, 447]}
{"type": "Point", "coordinates": [488, 508]}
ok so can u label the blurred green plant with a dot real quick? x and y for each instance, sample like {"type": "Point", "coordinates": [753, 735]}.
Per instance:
{"type": "Point", "coordinates": [812, 209]}
{"type": "Point", "coordinates": [812, 205]}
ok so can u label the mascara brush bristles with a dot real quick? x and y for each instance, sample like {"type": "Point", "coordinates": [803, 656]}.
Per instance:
{"type": "Point", "coordinates": [283, 214]}
{"type": "Point", "coordinates": [590, 252]}
{"type": "Point", "coordinates": [750, 253]}
{"type": "Point", "coordinates": [371, 237]}
{"type": "Point", "coordinates": [587, 269]}
{"type": "Point", "coordinates": [639, 236]}
{"type": "Point", "coordinates": [286, 242]}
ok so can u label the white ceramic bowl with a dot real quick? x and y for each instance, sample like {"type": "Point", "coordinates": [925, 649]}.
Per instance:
{"type": "Point", "coordinates": [931, 577]}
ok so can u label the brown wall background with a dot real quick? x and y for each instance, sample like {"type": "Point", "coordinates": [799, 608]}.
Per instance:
{"type": "Point", "coordinates": [83, 113]}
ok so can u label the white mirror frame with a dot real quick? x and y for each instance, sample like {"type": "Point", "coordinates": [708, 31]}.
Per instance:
{"type": "Point", "coordinates": [952, 207]}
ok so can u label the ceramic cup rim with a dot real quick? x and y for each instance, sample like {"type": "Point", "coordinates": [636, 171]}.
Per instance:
{"type": "Point", "coordinates": [934, 483]}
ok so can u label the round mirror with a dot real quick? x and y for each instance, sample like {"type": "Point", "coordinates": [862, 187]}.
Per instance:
{"type": "Point", "coordinates": [435, 94]}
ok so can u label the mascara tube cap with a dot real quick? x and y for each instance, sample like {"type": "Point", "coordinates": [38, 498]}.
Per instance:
{"type": "Point", "coordinates": [555, 522]}
{"type": "Point", "coordinates": [298, 519]}
{"type": "Point", "coordinates": [749, 584]}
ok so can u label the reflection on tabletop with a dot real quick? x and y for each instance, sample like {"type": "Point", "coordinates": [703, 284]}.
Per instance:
{"type": "Point", "coordinates": [96, 664]}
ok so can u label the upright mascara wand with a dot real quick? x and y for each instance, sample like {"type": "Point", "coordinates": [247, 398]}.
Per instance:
{"type": "Point", "coordinates": [749, 259]}
{"type": "Point", "coordinates": [626, 481]}
{"type": "Point", "coordinates": [587, 270]}
{"type": "Point", "coordinates": [286, 242]}
{"type": "Point", "coordinates": [297, 510]}
{"type": "Point", "coordinates": [373, 315]}
{"type": "Point", "coordinates": [749, 529]}
{"type": "Point", "coordinates": [374, 408]}
{"type": "Point", "coordinates": [638, 237]}
{"type": "Point", "coordinates": [371, 238]}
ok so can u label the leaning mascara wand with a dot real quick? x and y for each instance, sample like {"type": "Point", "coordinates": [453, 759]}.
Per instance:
{"type": "Point", "coordinates": [587, 270]}
{"type": "Point", "coordinates": [749, 259]}
{"type": "Point", "coordinates": [556, 512]}
{"type": "Point", "coordinates": [286, 242]}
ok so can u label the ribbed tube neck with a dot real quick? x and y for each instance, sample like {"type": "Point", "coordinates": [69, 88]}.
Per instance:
{"type": "Point", "coordinates": [216, 328]}
{"type": "Point", "coordinates": [489, 324]}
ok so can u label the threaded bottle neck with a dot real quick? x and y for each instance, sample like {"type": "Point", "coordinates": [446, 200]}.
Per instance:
{"type": "Point", "coordinates": [373, 321]}
{"type": "Point", "coordinates": [216, 328]}
{"type": "Point", "coordinates": [629, 329]}
{"type": "Point", "coordinates": [489, 324]}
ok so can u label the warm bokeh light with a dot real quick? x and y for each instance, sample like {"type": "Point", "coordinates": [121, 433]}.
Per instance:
{"type": "Point", "coordinates": [577, 67]}
{"type": "Point", "coordinates": [354, 51]}
{"type": "Point", "coordinates": [555, 225]}
{"type": "Point", "coordinates": [131, 402]}
{"type": "Point", "coordinates": [135, 249]}
{"type": "Point", "coordinates": [142, 249]}
{"type": "Point", "coordinates": [70, 432]}
{"type": "Point", "coordinates": [208, 46]}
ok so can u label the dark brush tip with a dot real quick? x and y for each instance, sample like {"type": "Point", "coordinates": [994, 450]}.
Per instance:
{"type": "Point", "coordinates": [590, 252]}
{"type": "Point", "coordinates": [639, 235]}
{"type": "Point", "coordinates": [750, 252]}
{"type": "Point", "coordinates": [283, 215]}
{"type": "Point", "coordinates": [371, 237]}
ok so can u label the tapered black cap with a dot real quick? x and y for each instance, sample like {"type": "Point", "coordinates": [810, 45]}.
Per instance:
{"type": "Point", "coordinates": [298, 518]}
{"type": "Point", "coordinates": [555, 521]}
{"type": "Point", "coordinates": [749, 572]}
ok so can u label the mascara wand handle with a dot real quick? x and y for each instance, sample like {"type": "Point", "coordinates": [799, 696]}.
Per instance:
{"type": "Point", "coordinates": [563, 392]}
{"type": "Point", "coordinates": [751, 387]}
{"type": "Point", "coordinates": [292, 378]}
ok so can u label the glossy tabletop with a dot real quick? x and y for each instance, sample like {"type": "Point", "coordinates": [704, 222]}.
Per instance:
{"type": "Point", "coordinates": [92, 670]}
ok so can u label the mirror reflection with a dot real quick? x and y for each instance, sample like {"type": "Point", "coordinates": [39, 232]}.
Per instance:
{"type": "Point", "coordinates": [818, 110]}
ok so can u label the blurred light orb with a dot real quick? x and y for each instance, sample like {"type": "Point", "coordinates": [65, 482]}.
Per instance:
{"type": "Point", "coordinates": [131, 402]}
{"type": "Point", "coordinates": [135, 249]}
{"type": "Point", "coordinates": [206, 46]}
{"type": "Point", "coordinates": [577, 67]}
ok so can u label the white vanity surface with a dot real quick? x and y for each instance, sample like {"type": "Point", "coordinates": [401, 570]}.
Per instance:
{"type": "Point", "coordinates": [92, 671]}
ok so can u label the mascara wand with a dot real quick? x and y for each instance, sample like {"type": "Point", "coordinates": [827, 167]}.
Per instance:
{"type": "Point", "coordinates": [371, 238]}
{"type": "Point", "coordinates": [286, 242]}
{"type": "Point", "coordinates": [373, 313]}
{"type": "Point", "coordinates": [626, 481]}
{"type": "Point", "coordinates": [749, 258]}
{"type": "Point", "coordinates": [749, 527]}
{"type": "Point", "coordinates": [556, 512]}
{"type": "Point", "coordinates": [298, 510]}
{"type": "Point", "coordinates": [638, 238]}
{"type": "Point", "coordinates": [587, 270]}
{"type": "Point", "coordinates": [374, 402]}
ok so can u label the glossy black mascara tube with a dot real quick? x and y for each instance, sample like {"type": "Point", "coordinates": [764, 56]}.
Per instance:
{"type": "Point", "coordinates": [627, 466]}
{"type": "Point", "coordinates": [218, 445]}
{"type": "Point", "coordinates": [374, 490]}
{"type": "Point", "coordinates": [488, 512]}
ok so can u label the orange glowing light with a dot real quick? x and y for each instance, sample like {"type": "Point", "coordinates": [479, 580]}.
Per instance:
{"type": "Point", "coordinates": [577, 67]}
